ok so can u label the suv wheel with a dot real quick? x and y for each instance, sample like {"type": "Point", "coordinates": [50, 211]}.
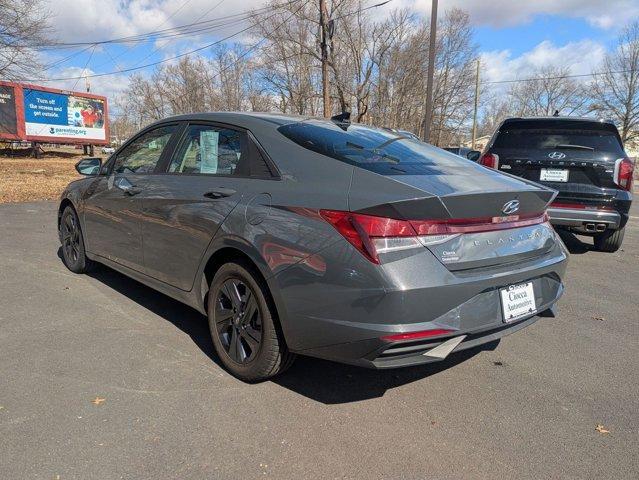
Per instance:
{"type": "Point", "coordinates": [610, 240]}
{"type": "Point", "coordinates": [244, 332]}
{"type": "Point", "coordinates": [73, 252]}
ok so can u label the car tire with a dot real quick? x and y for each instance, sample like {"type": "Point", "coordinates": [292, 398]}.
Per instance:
{"type": "Point", "coordinates": [243, 324]}
{"type": "Point", "coordinates": [610, 240]}
{"type": "Point", "coordinates": [73, 253]}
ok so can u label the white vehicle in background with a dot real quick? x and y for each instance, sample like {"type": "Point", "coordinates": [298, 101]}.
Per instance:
{"type": "Point", "coordinates": [108, 150]}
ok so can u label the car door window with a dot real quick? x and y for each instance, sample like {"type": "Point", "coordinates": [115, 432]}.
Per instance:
{"type": "Point", "coordinates": [143, 154]}
{"type": "Point", "coordinates": [211, 150]}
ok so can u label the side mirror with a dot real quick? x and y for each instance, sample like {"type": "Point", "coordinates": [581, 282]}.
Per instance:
{"type": "Point", "coordinates": [89, 166]}
{"type": "Point", "coordinates": [473, 155]}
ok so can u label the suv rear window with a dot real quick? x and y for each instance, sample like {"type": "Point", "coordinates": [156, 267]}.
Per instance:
{"type": "Point", "coordinates": [377, 150]}
{"type": "Point", "coordinates": [542, 136]}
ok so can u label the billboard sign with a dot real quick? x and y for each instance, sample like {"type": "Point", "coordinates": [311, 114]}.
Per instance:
{"type": "Point", "coordinates": [44, 114]}
{"type": "Point", "coordinates": [8, 113]}
{"type": "Point", "coordinates": [57, 115]}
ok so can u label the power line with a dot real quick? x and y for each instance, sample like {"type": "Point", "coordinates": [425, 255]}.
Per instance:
{"type": "Point", "coordinates": [158, 48]}
{"type": "Point", "coordinates": [256, 45]}
{"type": "Point", "coordinates": [134, 46]}
{"type": "Point", "coordinates": [150, 64]}
{"type": "Point", "coordinates": [126, 70]}
{"type": "Point", "coordinates": [85, 67]}
{"type": "Point", "coordinates": [249, 14]}
{"type": "Point", "coordinates": [181, 30]}
{"type": "Point", "coordinates": [558, 77]}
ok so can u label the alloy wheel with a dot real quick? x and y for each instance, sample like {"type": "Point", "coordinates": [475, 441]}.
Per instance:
{"type": "Point", "coordinates": [71, 238]}
{"type": "Point", "coordinates": [238, 320]}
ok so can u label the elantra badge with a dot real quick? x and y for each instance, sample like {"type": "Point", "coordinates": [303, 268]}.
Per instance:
{"type": "Point", "coordinates": [556, 155]}
{"type": "Point", "coordinates": [510, 207]}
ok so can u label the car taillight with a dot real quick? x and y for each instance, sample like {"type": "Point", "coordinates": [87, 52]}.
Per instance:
{"type": "Point", "coordinates": [373, 235]}
{"type": "Point", "coordinates": [489, 160]}
{"type": "Point", "coordinates": [624, 168]}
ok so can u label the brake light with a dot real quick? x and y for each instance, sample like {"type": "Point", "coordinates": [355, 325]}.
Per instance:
{"type": "Point", "coordinates": [372, 235]}
{"type": "Point", "coordinates": [489, 160]}
{"type": "Point", "coordinates": [580, 206]}
{"type": "Point", "coordinates": [417, 335]}
{"type": "Point", "coordinates": [624, 169]}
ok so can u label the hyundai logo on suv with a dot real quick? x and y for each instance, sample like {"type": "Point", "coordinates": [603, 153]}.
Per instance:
{"type": "Point", "coordinates": [510, 207]}
{"type": "Point", "coordinates": [556, 155]}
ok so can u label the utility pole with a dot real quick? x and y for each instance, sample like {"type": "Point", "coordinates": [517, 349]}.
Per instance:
{"type": "Point", "coordinates": [324, 52]}
{"type": "Point", "coordinates": [428, 114]}
{"type": "Point", "coordinates": [474, 140]}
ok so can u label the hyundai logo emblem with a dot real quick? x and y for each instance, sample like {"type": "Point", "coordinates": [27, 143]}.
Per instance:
{"type": "Point", "coordinates": [510, 207]}
{"type": "Point", "coordinates": [556, 155]}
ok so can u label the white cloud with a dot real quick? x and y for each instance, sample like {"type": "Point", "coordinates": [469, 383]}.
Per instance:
{"type": "Point", "coordinates": [579, 57]}
{"type": "Point", "coordinates": [109, 86]}
{"type": "Point", "coordinates": [501, 13]}
{"type": "Point", "coordinates": [93, 20]}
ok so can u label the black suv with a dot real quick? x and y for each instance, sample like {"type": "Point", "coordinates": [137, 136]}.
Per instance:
{"type": "Point", "coordinates": [583, 159]}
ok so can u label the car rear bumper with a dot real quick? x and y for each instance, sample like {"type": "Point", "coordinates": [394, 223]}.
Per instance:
{"type": "Point", "coordinates": [348, 323]}
{"type": "Point", "coordinates": [585, 219]}
{"type": "Point", "coordinates": [478, 321]}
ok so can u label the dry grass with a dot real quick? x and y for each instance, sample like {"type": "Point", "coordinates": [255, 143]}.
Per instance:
{"type": "Point", "coordinates": [30, 179]}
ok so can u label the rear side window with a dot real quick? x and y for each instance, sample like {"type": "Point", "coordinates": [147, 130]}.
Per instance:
{"type": "Point", "coordinates": [210, 150]}
{"type": "Point", "coordinates": [548, 137]}
{"type": "Point", "coordinates": [377, 150]}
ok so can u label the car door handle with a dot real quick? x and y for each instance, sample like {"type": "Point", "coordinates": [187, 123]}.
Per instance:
{"type": "Point", "coordinates": [220, 192]}
{"type": "Point", "coordinates": [127, 187]}
{"type": "Point", "coordinates": [132, 190]}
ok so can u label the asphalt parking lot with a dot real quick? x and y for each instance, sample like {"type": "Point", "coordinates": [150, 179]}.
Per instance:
{"type": "Point", "coordinates": [165, 409]}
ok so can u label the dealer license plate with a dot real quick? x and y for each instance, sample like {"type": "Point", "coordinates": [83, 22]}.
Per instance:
{"type": "Point", "coordinates": [553, 175]}
{"type": "Point", "coordinates": [518, 301]}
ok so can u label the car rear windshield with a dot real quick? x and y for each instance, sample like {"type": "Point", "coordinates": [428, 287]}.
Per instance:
{"type": "Point", "coordinates": [377, 150]}
{"type": "Point", "coordinates": [545, 136]}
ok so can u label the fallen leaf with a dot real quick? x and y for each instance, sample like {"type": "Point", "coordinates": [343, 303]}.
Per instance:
{"type": "Point", "coordinates": [601, 429]}
{"type": "Point", "coordinates": [97, 400]}
{"type": "Point", "coordinates": [601, 319]}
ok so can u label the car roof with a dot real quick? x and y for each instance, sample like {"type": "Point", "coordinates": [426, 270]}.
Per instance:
{"type": "Point", "coordinates": [241, 119]}
{"type": "Point", "coordinates": [558, 119]}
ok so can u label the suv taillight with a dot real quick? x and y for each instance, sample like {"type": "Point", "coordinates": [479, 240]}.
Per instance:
{"type": "Point", "coordinates": [373, 235]}
{"type": "Point", "coordinates": [489, 160]}
{"type": "Point", "coordinates": [624, 168]}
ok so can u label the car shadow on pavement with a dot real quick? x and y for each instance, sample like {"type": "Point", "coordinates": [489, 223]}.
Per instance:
{"type": "Point", "coordinates": [574, 244]}
{"type": "Point", "coordinates": [320, 380]}
{"type": "Point", "coordinates": [335, 383]}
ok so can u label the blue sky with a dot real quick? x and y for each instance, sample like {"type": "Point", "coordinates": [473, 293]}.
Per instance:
{"type": "Point", "coordinates": [513, 36]}
{"type": "Point", "coordinates": [557, 29]}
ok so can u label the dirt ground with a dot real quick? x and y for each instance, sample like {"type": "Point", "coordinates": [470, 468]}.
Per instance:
{"type": "Point", "coordinates": [26, 179]}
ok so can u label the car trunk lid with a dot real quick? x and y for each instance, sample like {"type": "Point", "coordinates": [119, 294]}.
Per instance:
{"type": "Point", "coordinates": [483, 218]}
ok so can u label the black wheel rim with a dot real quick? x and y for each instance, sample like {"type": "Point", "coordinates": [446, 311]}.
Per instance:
{"type": "Point", "coordinates": [238, 321]}
{"type": "Point", "coordinates": [70, 238]}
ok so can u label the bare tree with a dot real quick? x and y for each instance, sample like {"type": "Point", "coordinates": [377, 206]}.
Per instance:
{"type": "Point", "coordinates": [548, 91]}
{"type": "Point", "coordinates": [495, 109]}
{"type": "Point", "coordinates": [23, 27]}
{"type": "Point", "coordinates": [455, 79]}
{"type": "Point", "coordinates": [616, 92]}
{"type": "Point", "coordinates": [288, 59]}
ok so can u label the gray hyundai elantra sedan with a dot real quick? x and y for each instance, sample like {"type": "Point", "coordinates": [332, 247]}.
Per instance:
{"type": "Point", "coordinates": [317, 237]}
